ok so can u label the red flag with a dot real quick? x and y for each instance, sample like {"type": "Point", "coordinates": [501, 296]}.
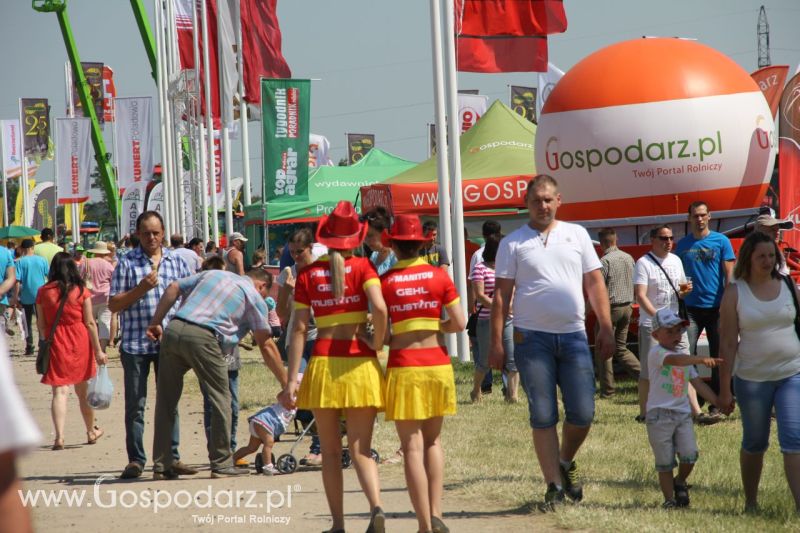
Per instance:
{"type": "Point", "coordinates": [511, 17]}
{"type": "Point", "coordinates": [771, 80]}
{"type": "Point", "coordinates": [261, 46]}
{"type": "Point", "coordinates": [109, 93]}
{"type": "Point", "coordinates": [183, 25]}
{"type": "Point", "coordinates": [506, 35]}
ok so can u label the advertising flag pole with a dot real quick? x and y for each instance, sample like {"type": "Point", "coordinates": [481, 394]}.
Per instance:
{"type": "Point", "coordinates": [458, 256]}
{"type": "Point", "coordinates": [162, 104]}
{"type": "Point", "coordinates": [245, 135]}
{"type": "Point", "coordinates": [200, 139]}
{"type": "Point", "coordinates": [441, 133]}
{"type": "Point", "coordinates": [226, 118]}
{"type": "Point", "coordinates": [76, 230]}
{"type": "Point", "coordinates": [23, 178]}
{"type": "Point", "coordinates": [212, 174]}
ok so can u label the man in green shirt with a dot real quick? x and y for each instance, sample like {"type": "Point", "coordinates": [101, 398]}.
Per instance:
{"type": "Point", "coordinates": [47, 248]}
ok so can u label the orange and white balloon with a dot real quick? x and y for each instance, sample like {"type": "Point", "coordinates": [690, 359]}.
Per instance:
{"type": "Point", "coordinates": [645, 127]}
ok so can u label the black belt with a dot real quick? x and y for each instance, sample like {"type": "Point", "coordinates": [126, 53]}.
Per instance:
{"type": "Point", "coordinates": [621, 305]}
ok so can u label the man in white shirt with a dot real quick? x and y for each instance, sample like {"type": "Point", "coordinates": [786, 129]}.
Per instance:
{"type": "Point", "coordinates": [546, 265]}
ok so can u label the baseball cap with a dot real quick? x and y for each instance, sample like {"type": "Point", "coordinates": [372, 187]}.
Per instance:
{"type": "Point", "coordinates": [666, 318]}
{"type": "Point", "coordinates": [768, 220]}
{"type": "Point", "coordinates": [236, 236]}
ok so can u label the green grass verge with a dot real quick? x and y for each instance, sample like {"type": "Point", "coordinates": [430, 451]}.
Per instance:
{"type": "Point", "coordinates": [489, 457]}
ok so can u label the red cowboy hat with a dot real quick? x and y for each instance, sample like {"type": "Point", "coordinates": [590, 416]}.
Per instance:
{"type": "Point", "coordinates": [405, 228]}
{"type": "Point", "coordinates": [341, 230]}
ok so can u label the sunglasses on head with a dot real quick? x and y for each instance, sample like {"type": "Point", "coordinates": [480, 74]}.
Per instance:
{"type": "Point", "coordinates": [666, 238]}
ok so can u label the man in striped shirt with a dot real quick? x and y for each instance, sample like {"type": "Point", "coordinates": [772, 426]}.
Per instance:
{"type": "Point", "coordinates": [218, 310]}
{"type": "Point", "coordinates": [618, 274]}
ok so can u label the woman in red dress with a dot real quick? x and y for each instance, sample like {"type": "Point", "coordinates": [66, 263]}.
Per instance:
{"type": "Point", "coordinates": [75, 346]}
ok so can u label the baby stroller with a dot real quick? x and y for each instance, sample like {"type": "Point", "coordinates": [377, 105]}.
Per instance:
{"type": "Point", "coordinates": [287, 462]}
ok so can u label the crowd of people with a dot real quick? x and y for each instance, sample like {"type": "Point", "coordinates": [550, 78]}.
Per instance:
{"type": "Point", "coordinates": [360, 283]}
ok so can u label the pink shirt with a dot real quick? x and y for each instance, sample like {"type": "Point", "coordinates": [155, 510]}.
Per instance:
{"type": "Point", "coordinates": [98, 274]}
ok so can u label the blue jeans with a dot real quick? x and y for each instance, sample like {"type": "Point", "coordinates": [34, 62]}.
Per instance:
{"type": "Point", "coordinates": [707, 319]}
{"type": "Point", "coordinates": [136, 369]}
{"type": "Point", "coordinates": [756, 399]}
{"type": "Point", "coordinates": [546, 360]}
{"type": "Point", "coordinates": [233, 386]}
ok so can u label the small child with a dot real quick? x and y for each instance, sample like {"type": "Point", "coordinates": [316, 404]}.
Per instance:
{"type": "Point", "coordinates": [265, 426]}
{"type": "Point", "coordinates": [669, 416]}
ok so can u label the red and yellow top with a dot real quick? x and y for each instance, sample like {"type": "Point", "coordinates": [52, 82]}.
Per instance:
{"type": "Point", "coordinates": [415, 293]}
{"type": "Point", "coordinates": [314, 289]}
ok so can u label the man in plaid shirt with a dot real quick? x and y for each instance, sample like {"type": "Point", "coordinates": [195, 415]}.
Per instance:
{"type": "Point", "coordinates": [139, 280]}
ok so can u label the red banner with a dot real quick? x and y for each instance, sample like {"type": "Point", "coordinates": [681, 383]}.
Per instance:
{"type": "Point", "coordinates": [109, 93]}
{"type": "Point", "coordinates": [789, 159]}
{"type": "Point", "coordinates": [770, 80]}
{"type": "Point", "coordinates": [489, 193]}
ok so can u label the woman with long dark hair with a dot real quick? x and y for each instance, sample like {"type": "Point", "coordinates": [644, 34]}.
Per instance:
{"type": "Point", "coordinates": [75, 347]}
{"type": "Point", "coordinates": [420, 386]}
{"type": "Point", "coordinates": [343, 376]}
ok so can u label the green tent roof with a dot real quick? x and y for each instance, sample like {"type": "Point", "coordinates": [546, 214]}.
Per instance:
{"type": "Point", "coordinates": [328, 185]}
{"type": "Point", "coordinates": [499, 144]}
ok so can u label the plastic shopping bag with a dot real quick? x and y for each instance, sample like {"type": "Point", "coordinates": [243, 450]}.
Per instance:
{"type": "Point", "coordinates": [101, 389]}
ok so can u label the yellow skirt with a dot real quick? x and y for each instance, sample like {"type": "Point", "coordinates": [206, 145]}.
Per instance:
{"type": "Point", "coordinates": [342, 382]}
{"type": "Point", "coordinates": [420, 392]}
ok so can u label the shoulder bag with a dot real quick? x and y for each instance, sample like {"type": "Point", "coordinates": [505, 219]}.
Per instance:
{"type": "Point", "coordinates": [43, 355]}
{"type": "Point", "coordinates": [472, 322]}
{"type": "Point", "coordinates": [682, 312]}
{"type": "Point", "coordinates": [790, 283]}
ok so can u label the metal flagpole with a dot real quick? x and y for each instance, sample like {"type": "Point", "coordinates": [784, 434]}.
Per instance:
{"type": "Point", "coordinates": [441, 132]}
{"type": "Point", "coordinates": [173, 64]}
{"type": "Point", "coordinates": [23, 178]}
{"type": "Point", "coordinates": [458, 255]}
{"type": "Point", "coordinates": [76, 231]}
{"type": "Point", "coordinates": [200, 139]}
{"type": "Point", "coordinates": [209, 125]}
{"type": "Point", "coordinates": [165, 170]}
{"type": "Point", "coordinates": [226, 117]}
{"type": "Point", "coordinates": [245, 135]}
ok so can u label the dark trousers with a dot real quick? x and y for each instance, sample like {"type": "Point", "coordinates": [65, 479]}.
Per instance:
{"type": "Point", "coordinates": [620, 321]}
{"type": "Point", "coordinates": [185, 347]}
{"type": "Point", "coordinates": [701, 318]}
{"type": "Point", "coordinates": [30, 311]}
{"type": "Point", "coordinates": [136, 369]}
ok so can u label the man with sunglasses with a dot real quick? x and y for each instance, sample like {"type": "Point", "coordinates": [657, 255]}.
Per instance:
{"type": "Point", "coordinates": [708, 258]}
{"type": "Point", "coordinates": [655, 275]}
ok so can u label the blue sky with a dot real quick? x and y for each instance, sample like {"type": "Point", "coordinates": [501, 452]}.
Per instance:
{"type": "Point", "coordinates": [372, 58]}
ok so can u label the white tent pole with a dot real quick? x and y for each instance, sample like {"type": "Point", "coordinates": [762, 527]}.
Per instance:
{"type": "Point", "coordinates": [441, 132]}
{"type": "Point", "coordinates": [200, 139]}
{"type": "Point", "coordinates": [245, 135]}
{"type": "Point", "coordinates": [76, 224]}
{"type": "Point", "coordinates": [173, 67]}
{"type": "Point", "coordinates": [209, 125]}
{"type": "Point", "coordinates": [458, 255]}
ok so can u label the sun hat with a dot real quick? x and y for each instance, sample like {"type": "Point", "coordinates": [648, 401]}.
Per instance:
{"type": "Point", "coordinates": [666, 318]}
{"type": "Point", "coordinates": [100, 248]}
{"type": "Point", "coordinates": [769, 221]}
{"type": "Point", "coordinates": [405, 228]}
{"type": "Point", "coordinates": [236, 236]}
{"type": "Point", "coordinates": [341, 230]}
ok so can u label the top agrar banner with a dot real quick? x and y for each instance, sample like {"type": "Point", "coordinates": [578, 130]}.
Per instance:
{"type": "Point", "coordinates": [285, 108]}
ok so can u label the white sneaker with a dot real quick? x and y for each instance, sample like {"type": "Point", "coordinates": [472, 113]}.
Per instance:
{"type": "Point", "coordinates": [270, 470]}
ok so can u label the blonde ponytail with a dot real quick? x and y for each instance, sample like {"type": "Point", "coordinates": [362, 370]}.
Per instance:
{"type": "Point", "coordinates": [337, 273]}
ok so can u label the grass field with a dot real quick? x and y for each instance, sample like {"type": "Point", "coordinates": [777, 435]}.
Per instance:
{"type": "Point", "coordinates": [490, 457]}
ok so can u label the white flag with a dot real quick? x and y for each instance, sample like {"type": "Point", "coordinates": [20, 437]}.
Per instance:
{"type": "Point", "coordinates": [155, 200]}
{"type": "Point", "coordinates": [547, 81]}
{"type": "Point", "coordinates": [318, 151]}
{"type": "Point", "coordinates": [133, 117]}
{"type": "Point", "coordinates": [12, 149]}
{"type": "Point", "coordinates": [73, 159]}
{"type": "Point", "coordinates": [471, 107]}
{"type": "Point", "coordinates": [132, 207]}
{"type": "Point", "coordinates": [188, 205]}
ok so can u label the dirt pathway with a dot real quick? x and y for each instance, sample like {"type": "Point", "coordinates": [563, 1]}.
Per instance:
{"type": "Point", "coordinates": [93, 499]}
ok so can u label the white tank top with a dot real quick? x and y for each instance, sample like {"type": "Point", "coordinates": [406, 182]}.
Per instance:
{"type": "Point", "coordinates": [768, 345]}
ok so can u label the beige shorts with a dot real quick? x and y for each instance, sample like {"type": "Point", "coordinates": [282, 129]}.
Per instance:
{"type": "Point", "coordinates": [671, 433]}
{"type": "Point", "coordinates": [102, 315]}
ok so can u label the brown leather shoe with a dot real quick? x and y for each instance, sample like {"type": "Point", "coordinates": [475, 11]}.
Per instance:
{"type": "Point", "coordinates": [132, 471]}
{"type": "Point", "coordinates": [183, 469]}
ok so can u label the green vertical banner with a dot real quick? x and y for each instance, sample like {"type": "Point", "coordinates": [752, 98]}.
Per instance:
{"type": "Point", "coordinates": [286, 114]}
